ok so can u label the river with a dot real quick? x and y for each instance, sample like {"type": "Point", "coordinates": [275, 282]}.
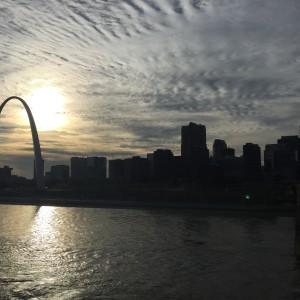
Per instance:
{"type": "Point", "coordinates": [117, 253]}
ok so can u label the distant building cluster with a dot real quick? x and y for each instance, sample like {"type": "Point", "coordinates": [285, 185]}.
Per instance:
{"type": "Point", "coordinates": [9, 180]}
{"type": "Point", "coordinates": [280, 163]}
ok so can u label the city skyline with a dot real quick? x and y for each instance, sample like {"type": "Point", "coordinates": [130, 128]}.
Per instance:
{"type": "Point", "coordinates": [120, 78]}
{"type": "Point", "coordinates": [193, 146]}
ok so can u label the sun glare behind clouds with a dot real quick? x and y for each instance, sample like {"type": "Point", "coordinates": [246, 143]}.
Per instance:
{"type": "Point", "coordinates": [47, 106]}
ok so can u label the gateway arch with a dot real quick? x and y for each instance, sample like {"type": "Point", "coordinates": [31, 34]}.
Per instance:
{"type": "Point", "coordinates": [39, 162]}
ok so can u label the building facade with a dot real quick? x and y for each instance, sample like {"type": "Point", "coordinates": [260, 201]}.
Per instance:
{"type": "Point", "coordinates": [252, 161]}
{"type": "Point", "coordinates": [59, 174]}
{"type": "Point", "coordinates": [194, 149]}
{"type": "Point", "coordinates": [219, 147]}
{"type": "Point", "coordinates": [88, 169]}
{"type": "Point", "coordinates": [193, 138]}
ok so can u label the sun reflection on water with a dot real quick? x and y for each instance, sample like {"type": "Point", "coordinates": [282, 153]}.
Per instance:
{"type": "Point", "coordinates": [43, 222]}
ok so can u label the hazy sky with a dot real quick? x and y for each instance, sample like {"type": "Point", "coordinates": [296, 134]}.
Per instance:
{"type": "Point", "coordinates": [119, 78]}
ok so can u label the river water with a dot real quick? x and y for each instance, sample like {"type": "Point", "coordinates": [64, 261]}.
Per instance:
{"type": "Point", "coordinates": [101, 253]}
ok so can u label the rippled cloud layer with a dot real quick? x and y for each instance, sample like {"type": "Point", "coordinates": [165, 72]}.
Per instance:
{"type": "Point", "coordinates": [132, 72]}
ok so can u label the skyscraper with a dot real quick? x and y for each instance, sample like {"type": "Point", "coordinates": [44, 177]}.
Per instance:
{"type": "Point", "coordinates": [96, 167]}
{"type": "Point", "coordinates": [193, 138]}
{"type": "Point", "coordinates": [252, 161]}
{"type": "Point", "coordinates": [292, 142]}
{"type": "Point", "coordinates": [116, 169]}
{"type": "Point", "coordinates": [88, 169]}
{"type": "Point", "coordinates": [136, 169]}
{"type": "Point", "coordinates": [59, 173]}
{"type": "Point", "coordinates": [219, 148]}
{"type": "Point", "coordinates": [163, 164]}
{"type": "Point", "coordinates": [193, 148]}
{"type": "Point", "coordinates": [280, 161]}
{"type": "Point", "coordinates": [78, 169]}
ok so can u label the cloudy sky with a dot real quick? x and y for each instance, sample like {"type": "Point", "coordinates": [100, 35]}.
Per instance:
{"type": "Point", "coordinates": [118, 78]}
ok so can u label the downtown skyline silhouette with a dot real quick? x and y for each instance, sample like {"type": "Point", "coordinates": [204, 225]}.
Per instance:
{"type": "Point", "coordinates": [118, 79]}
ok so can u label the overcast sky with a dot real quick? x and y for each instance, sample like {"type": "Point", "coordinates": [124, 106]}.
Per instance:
{"type": "Point", "coordinates": [119, 78]}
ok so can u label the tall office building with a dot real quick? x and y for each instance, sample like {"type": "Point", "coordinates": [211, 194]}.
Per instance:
{"type": "Point", "coordinates": [219, 148]}
{"type": "Point", "coordinates": [269, 156]}
{"type": "Point", "coordinates": [193, 148]}
{"type": "Point", "coordinates": [252, 161]}
{"type": "Point", "coordinates": [280, 161]}
{"type": "Point", "coordinates": [163, 164]}
{"type": "Point", "coordinates": [136, 169]}
{"type": "Point", "coordinates": [292, 142]}
{"type": "Point", "coordinates": [88, 169]}
{"type": "Point", "coordinates": [229, 152]}
{"type": "Point", "coordinates": [96, 167]}
{"type": "Point", "coordinates": [193, 138]}
{"type": "Point", "coordinates": [129, 170]}
{"type": "Point", "coordinates": [116, 169]}
{"type": "Point", "coordinates": [78, 169]}
{"type": "Point", "coordinates": [59, 173]}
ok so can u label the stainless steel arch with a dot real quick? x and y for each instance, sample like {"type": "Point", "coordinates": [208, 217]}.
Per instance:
{"type": "Point", "coordinates": [39, 162]}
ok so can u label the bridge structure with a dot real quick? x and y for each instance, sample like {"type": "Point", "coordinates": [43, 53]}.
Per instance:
{"type": "Point", "coordinates": [39, 162]}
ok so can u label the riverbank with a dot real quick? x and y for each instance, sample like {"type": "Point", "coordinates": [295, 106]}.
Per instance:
{"type": "Point", "coordinates": [249, 197]}
{"type": "Point", "coordinates": [287, 208]}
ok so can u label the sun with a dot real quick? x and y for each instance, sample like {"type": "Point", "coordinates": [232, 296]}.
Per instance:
{"type": "Point", "coordinates": [47, 107]}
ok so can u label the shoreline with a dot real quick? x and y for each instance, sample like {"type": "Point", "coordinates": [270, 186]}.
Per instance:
{"type": "Point", "coordinates": [104, 203]}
